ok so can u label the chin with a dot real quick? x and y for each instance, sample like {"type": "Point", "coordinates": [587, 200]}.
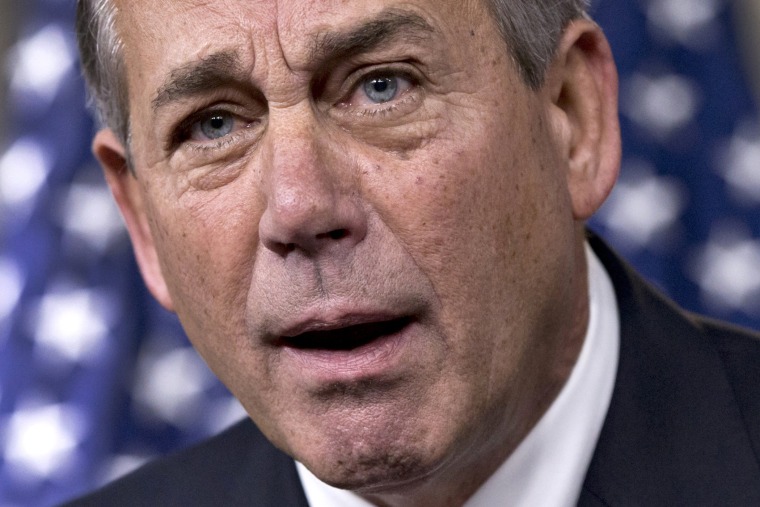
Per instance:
{"type": "Point", "coordinates": [376, 473]}
{"type": "Point", "coordinates": [382, 463]}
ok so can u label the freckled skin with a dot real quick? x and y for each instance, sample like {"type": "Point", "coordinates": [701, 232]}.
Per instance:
{"type": "Point", "coordinates": [462, 206]}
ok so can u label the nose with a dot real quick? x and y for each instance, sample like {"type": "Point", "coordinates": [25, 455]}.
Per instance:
{"type": "Point", "coordinates": [312, 204]}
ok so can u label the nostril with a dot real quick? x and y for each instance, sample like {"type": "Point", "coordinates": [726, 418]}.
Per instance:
{"type": "Point", "coordinates": [287, 248]}
{"type": "Point", "coordinates": [336, 234]}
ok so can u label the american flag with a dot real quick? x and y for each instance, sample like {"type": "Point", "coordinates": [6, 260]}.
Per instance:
{"type": "Point", "coordinates": [95, 378]}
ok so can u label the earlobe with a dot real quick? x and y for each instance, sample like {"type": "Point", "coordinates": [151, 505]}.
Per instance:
{"type": "Point", "coordinates": [582, 83]}
{"type": "Point", "coordinates": [126, 191]}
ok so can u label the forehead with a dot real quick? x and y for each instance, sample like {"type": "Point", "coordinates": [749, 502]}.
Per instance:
{"type": "Point", "coordinates": [171, 31]}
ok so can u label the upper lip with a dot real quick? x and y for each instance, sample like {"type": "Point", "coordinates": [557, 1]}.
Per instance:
{"type": "Point", "coordinates": [338, 329]}
{"type": "Point", "coordinates": [340, 321]}
{"type": "Point", "coordinates": [329, 323]}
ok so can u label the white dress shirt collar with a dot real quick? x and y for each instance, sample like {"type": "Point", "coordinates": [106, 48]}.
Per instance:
{"type": "Point", "coordinates": [549, 465]}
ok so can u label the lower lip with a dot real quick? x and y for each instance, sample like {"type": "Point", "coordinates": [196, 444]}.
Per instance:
{"type": "Point", "coordinates": [376, 360]}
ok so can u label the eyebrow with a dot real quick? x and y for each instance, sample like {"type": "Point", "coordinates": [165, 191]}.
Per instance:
{"type": "Point", "coordinates": [198, 77]}
{"type": "Point", "coordinates": [225, 67]}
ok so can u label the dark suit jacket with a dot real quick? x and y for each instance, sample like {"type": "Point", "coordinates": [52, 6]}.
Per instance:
{"type": "Point", "coordinates": [683, 427]}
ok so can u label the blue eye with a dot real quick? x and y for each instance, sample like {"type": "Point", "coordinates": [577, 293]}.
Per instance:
{"type": "Point", "coordinates": [216, 125]}
{"type": "Point", "coordinates": [381, 89]}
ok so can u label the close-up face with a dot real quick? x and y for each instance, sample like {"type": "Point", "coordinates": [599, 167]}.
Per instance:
{"type": "Point", "coordinates": [361, 215]}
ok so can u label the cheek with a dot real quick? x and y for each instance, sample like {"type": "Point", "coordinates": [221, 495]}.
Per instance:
{"type": "Point", "coordinates": [462, 210]}
{"type": "Point", "coordinates": [206, 242]}
{"type": "Point", "coordinates": [485, 216]}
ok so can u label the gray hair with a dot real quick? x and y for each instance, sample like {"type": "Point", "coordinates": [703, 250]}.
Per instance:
{"type": "Point", "coordinates": [102, 60]}
{"type": "Point", "coordinates": [530, 28]}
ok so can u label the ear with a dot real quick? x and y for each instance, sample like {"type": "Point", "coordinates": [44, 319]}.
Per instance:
{"type": "Point", "coordinates": [583, 86]}
{"type": "Point", "coordinates": [126, 191]}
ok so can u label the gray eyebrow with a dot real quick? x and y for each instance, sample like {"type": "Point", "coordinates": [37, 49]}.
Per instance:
{"type": "Point", "coordinates": [224, 67]}
{"type": "Point", "coordinates": [195, 78]}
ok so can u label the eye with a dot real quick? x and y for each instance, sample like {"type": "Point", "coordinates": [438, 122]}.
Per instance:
{"type": "Point", "coordinates": [219, 127]}
{"type": "Point", "coordinates": [381, 89]}
{"type": "Point", "coordinates": [378, 89]}
{"type": "Point", "coordinates": [208, 127]}
{"type": "Point", "coordinates": [213, 126]}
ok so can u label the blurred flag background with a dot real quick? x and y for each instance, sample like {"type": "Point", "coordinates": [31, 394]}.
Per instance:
{"type": "Point", "coordinates": [95, 378]}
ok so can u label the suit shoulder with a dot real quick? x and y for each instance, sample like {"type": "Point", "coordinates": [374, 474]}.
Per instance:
{"type": "Point", "coordinates": [237, 467]}
{"type": "Point", "coordinates": [739, 350]}
{"type": "Point", "coordinates": [731, 339]}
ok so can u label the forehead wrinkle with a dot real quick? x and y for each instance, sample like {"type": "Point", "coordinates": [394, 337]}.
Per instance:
{"type": "Point", "coordinates": [220, 68]}
{"type": "Point", "coordinates": [196, 77]}
{"type": "Point", "coordinates": [389, 24]}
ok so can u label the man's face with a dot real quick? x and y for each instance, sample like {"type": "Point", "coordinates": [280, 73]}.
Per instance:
{"type": "Point", "coordinates": [362, 217]}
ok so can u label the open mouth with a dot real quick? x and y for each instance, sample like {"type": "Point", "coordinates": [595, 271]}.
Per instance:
{"type": "Point", "coordinates": [346, 338]}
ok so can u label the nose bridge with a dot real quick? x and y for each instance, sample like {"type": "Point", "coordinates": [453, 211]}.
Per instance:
{"type": "Point", "coordinates": [310, 203]}
{"type": "Point", "coordinates": [297, 179]}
